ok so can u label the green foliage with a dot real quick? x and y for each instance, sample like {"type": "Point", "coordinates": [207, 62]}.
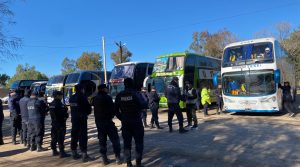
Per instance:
{"type": "Point", "coordinates": [116, 56]}
{"type": "Point", "coordinates": [211, 44]}
{"type": "Point", "coordinates": [3, 79]}
{"type": "Point", "coordinates": [68, 66]}
{"type": "Point", "coordinates": [89, 61]}
{"type": "Point", "coordinates": [26, 72]}
{"type": "Point", "coordinates": [292, 46]}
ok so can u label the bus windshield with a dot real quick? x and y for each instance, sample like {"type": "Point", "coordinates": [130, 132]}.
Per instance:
{"type": "Point", "coordinates": [123, 71]}
{"type": "Point", "coordinates": [249, 83]}
{"type": "Point", "coordinates": [56, 80]}
{"type": "Point", "coordinates": [171, 63]}
{"type": "Point", "coordinates": [73, 78]}
{"type": "Point", "coordinates": [248, 54]}
{"type": "Point", "coordinates": [160, 84]}
{"type": "Point", "coordinates": [15, 85]}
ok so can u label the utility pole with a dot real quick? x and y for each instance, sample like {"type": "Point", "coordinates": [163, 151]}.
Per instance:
{"type": "Point", "coordinates": [121, 50]}
{"type": "Point", "coordinates": [104, 60]}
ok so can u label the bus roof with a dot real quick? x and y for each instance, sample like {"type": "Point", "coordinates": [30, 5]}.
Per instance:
{"type": "Point", "coordinates": [184, 54]}
{"type": "Point", "coordinates": [133, 62]}
{"type": "Point", "coordinates": [259, 40]}
{"type": "Point", "coordinates": [40, 82]}
{"type": "Point", "coordinates": [81, 71]}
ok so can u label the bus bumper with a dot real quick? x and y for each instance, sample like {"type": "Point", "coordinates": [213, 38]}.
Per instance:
{"type": "Point", "coordinates": [257, 111]}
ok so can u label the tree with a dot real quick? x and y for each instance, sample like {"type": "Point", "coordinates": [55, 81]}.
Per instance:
{"type": "Point", "coordinates": [126, 55]}
{"type": "Point", "coordinates": [68, 66]}
{"type": "Point", "coordinates": [26, 72]}
{"type": "Point", "coordinates": [211, 44]}
{"type": "Point", "coordinates": [8, 43]}
{"type": "Point", "coordinates": [3, 79]}
{"type": "Point", "coordinates": [292, 46]}
{"type": "Point", "coordinates": [284, 30]}
{"type": "Point", "coordinates": [89, 61]}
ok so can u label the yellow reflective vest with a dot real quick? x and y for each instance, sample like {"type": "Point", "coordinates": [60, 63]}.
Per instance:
{"type": "Point", "coordinates": [205, 98]}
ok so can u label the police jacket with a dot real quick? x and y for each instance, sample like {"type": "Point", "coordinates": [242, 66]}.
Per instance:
{"type": "Point", "coordinates": [58, 112]}
{"type": "Point", "coordinates": [23, 108]}
{"type": "Point", "coordinates": [103, 107]}
{"type": "Point", "coordinates": [153, 100]}
{"type": "Point", "coordinates": [1, 111]}
{"type": "Point", "coordinates": [286, 92]}
{"type": "Point", "coordinates": [173, 93]}
{"type": "Point", "coordinates": [128, 106]}
{"type": "Point", "coordinates": [37, 109]}
{"type": "Point", "coordinates": [80, 107]}
{"type": "Point", "coordinates": [13, 105]}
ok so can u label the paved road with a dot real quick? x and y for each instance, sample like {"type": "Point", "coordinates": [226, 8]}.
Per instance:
{"type": "Point", "coordinates": [226, 140]}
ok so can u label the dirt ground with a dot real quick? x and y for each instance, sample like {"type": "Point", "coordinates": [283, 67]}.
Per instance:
{"type": "Point", "coordinates": [221, 140]}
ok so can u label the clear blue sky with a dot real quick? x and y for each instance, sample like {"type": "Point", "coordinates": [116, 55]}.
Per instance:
{"type": "Point", "coordinates": [149, 28]}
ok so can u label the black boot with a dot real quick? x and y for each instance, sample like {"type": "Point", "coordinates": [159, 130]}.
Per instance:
{"type": "Point", "coordinates": [170, 129]}
{"type": "Point", "coordinates": [1, 142]}
{"type": "Point", "coordinates": [14, 142]}
{"type": "Point", "coordinates": [158, 127]}
{"type": "Point", "coordinates": [129, 164]}
{"type": "Point", "coordinates": [182, 130]}
{"type": "Point", "coordinates": [55, 152]}
{"type": "Point", "coordinates": [25, 143]}
{"type": "Point", "coordinates": [40, 148]}
{"type": "Point", "coordinates": [145, 124]}
{"type": "Point", "coordinates": [118, 160]}
{"type": "Point", "coordinates": [152, 126]}
{"type": "Point", "coordinates": [85, 157]}
{"type": "Point", "coordinates": [63, 154]}
{"type": "Point", "coordinates": [138, 163]}
{"type": "Point", "coordinates": [75, 155]}
{"type": "Point", "coordinates": [105, 160]}
{"type": "Point", "coordinates": [32, 147]}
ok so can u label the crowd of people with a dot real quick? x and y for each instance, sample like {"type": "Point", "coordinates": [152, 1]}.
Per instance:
{"type": "Point", "coordinates": [28, 113]}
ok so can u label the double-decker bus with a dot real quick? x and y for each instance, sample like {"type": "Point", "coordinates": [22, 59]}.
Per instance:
{"type": "Point", "coordinates": [251, 73]}
{"type": "Point", "coordinates": [197, 69]}
{"type": "Point", "coordinates": [88, 79]}
{"type": "Point", "coordinates": [138, 71]}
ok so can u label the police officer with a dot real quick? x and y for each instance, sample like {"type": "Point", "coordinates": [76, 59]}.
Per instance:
{"type": "Point", "coordinates": [1, 121]}
{"type": "Point", "coordinates": [128, 107]}
{"type": "Point", "coordinates": [24, 114]}
{"type": "Point", "coordinates": [144, 94]}
{"type": "Point", "coordinates": [104, 113]}
{"type": "Point", "coordinates": [218, 93]}
{"type": "Point", "coordinates": [80, 109]}
{"type": "Point", "coordinates": [59, 115]}
{"type": "Point", "coordinates": [174, 96]}
{"type": "Point", "coordinates": [44, 114]}
{"type": "Point", "coordinates": [36, 110]}
{"type": "Point", "coordinates": [191, 100]}
{"type": "Point", "coordinates": [15, 117]}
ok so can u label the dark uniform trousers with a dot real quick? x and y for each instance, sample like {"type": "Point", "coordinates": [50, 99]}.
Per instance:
{"type": "Point", "coordinates": [1, 135]}
{"type": "Point", "coordinates": [16, 126]}
{"type": "Point", "coordinates": [191, 114]}
{"type": "Point", "coordinates": [154, 118]}
{"type": "Point", "coordinates": [42, 129]}
{"type": "Point", "coordinates": [58, 132]}
{"type": "Point", "coordinates": [108, 128]}
{"type": "Point", "coordinates": [79, 133]}
{"type": "Point", "coordinates": [25, 131]}
{"type": "Point", "coordinates": [133, 130]}
{"type": "Point", "coordinates": [34, 132]}
{"type": "Point", "coordinates": [175, 109]}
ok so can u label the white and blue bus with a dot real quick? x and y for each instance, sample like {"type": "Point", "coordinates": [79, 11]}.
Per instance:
{"type": "Point", "coordinates": [251, 73]}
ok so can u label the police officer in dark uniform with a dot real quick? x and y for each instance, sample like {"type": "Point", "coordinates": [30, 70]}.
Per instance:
{"type": "Point", "coordinates": [80, 109]}
{"type": "Point", "coordinates": [45, 107]}
{"type": "Point", "coordinates": [1, 121]}
{"type": "Point", "coordinates": [24, 114]}
{"type": "Point", "coordinates": [59, 115]}
{"type": "Point", "coordinates": [104, 113]}
{"type": "Point", "coordinates": [128, 107]}
{"type": "Point", "coordinates": [174, 96]}
{"type": "Point", "coordinates": [15, 117]}
{"type": "Point", "coordinates": [36, 110]}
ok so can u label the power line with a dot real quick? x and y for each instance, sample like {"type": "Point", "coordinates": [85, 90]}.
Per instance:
{"type": "Point", "coordinates": [172, 28]}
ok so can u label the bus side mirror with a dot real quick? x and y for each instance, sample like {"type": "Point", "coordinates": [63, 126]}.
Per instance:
{"type": "Point", "coordinates": [277, 76]}
{"type": "Point", "coordinates": [215, 80]}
